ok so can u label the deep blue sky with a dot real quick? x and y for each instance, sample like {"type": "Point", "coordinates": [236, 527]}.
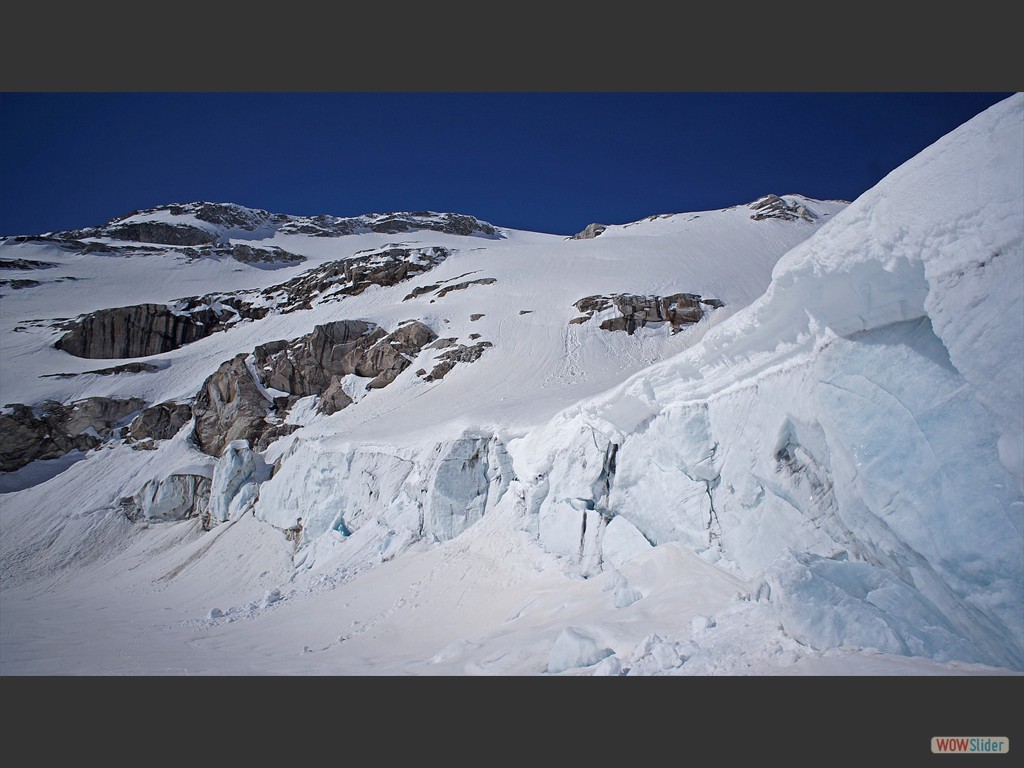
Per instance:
{"type": "Point", "coordinates": [549, 162]}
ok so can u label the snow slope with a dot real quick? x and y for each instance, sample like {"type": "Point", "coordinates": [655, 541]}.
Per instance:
{"type": "Point", "coordinates": [821, 477]}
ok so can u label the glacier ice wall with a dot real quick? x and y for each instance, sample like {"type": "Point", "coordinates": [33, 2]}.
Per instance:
{"type": "Point", "coordinates": [857, 431]}
{"type": "Point", "coordinates": [434, 491]}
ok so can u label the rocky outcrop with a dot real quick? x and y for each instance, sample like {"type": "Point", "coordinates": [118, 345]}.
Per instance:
{"type": "Point", "coordinates": [334, 398]}
{"type": "Point", "coordinates": [319, 226]}
{"type": "Point", "coordinates": [52, 429]}
{"type": "Point", "coordinates": [160, 422]}
{"type": "Point", "coordinates": [425, 289]}
{"type": "Point", "coordinates": [136, 331]}
{"type": "Point", "coordinates": [388, 223]}
{"type": "Point", "coordinates": [306, 365]}
{"type": "Point", "coordinates": [591, 231]}
{"type": "Point", "coordinates": [462, 286]}
{"type": "Point", "coordinates": [272, 433]}
{"type": "Point", "coordinates": [19, 283]}
{"type": "Point", "coordinates": [100, 414]}
{"type": "Point", "coordinates": [150, 329]}
{"type": "Point", "coordinates": [152, 225]}
{"type": "Point", "coordinates": [250, 254]}
{"type": "Point", "coordinates": [393, 354]}
{"type": "Point", "coordinates": [349, 277]}
{"type": "Point", "coordinates": [223, 214]}
{"type": "Point", "coordinates": [27, 263]}
{"type": "Point", "coordinates": [313, 364]}
{"type": "Point", "coordinates": [230, 406]}
{"type": "Point", "coordinates": [126, 368]}
{"type": "Point", "coordinates": [679, 310]}
{"type": "Point", "coordinates": [461, 353]}
{"type": "Point", "coordinates": [160, 232]}
{"type": "Point", "coordinates": [774, 207]}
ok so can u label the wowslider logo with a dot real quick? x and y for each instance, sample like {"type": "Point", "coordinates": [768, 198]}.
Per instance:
{"type": "Point", "coordinates": [972, 744]}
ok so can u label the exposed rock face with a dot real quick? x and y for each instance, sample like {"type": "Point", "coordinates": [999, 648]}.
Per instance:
{"type": "Point", "coordinates": [334, 397]}
{"type": "Point", "coordinates": [389, 223]}
{"type": "Point", "coordinates": [319, 226]}
{"type": "Point", "coordinates": [425, 289]}
{"type": "Point", "coordinates": [158, 230]}
{"type": "Point", "coordinates": [679, 310]}
{"type": "Point", "coordinates": [136, 331]}
{"type": "Point", "coordinates": [229, 407]}
{"type": "Point", "coordinates": [453, 355]}
{"type": "Point", "coordinates": [19, 283]}
{"type": "Point", "coordinates": [126, 368]}
{"type": "Point", "coordinates": [27, 263]}
{"type": "Point", "coordinates": [591, 231]}
{"type": "Point", "coordinates": [392, 354]}
{"type": "Point", "coordinates": [151, 225]}
{"type": "Point", "coordinates": [249, 254]}
{"type": "Point", "coordinates": [150, 329]}
{"type": "Point", "coordinates": [349, 277]}
{"type": "Point", "coordinates": [774, 207]}
{"type": "Point", "coordinates": [422, 290]}
{"type": "Point", "coordinates": [273, 433]}
{"type": "Point", "coordinates": [161, 421]}
{"type": "Point", "coordinates": [312, 365]}
{"type": "Point", "coordinates": [306, 365]}
{"type": "Point", "coordinates": [101, 414]}
{"type": "Point", "coordinates": [242, 252]}
{"type": "Point", "coordinates": [161, 232]}
{"type": "Point", "coordinates": [52, 429]}
{"type": "Point", "coordinates": [224, 214]}
{"type": "Point", "coordinates": [462, 286]}
{"type": "Point", "coordinates": [25, 437]}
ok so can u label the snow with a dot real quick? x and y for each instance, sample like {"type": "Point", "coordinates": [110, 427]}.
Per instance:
{"type": "Point", "coordinates": [824, 477]}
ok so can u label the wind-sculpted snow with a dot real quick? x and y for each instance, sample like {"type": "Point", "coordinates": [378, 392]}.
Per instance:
{"type": "Point", "coordinates": [851, 415]}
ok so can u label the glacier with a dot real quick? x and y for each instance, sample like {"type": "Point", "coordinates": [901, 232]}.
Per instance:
{"type": "Point", "coordinates": [846, 437]}
{"type": "Point", "coordinates": [828, 468]}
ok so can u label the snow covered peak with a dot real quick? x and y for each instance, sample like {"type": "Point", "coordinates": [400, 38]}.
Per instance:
{"type": "Point", "coordinates": [200, 223]}
{"type": "Point", "coordinates": [228, 215]}
{"type": "Point", "coordinates": [389, 223]}
{"type": "Point", "coordinates": [786, 208]}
